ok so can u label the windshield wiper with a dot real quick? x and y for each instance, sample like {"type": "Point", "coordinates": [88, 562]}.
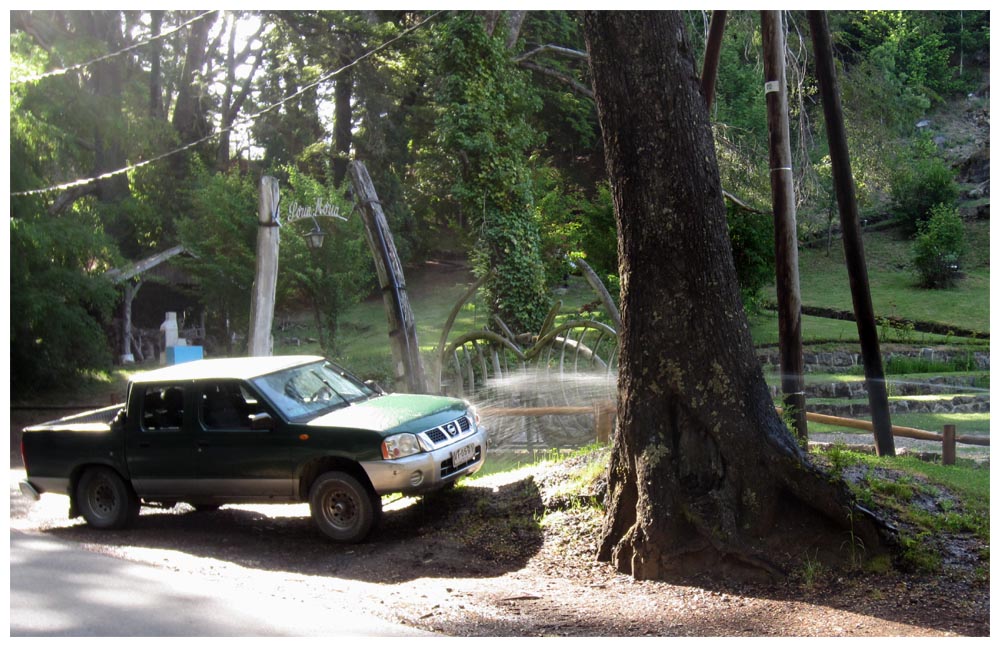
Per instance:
{"type": "Point", "coordinates": [332, 389]}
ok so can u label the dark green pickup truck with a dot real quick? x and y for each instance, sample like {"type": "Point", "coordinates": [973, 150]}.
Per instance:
{"type": "Point", "coordinates": [251, 430]}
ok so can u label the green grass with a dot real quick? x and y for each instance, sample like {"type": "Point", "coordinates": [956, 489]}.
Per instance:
{"type": "Point", "coordinates": [363, 341]}
{"type": "Point", "coordinates": [824, 283]}
{"type": "Point", "coordinates": [965, 423]}
{"type": "Point", "coordinates": [959, 497]}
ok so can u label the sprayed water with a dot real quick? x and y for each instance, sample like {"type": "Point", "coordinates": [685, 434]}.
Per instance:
{"type": "Point", "coordinates": [546, 387]}
{"type": "Point", "coordinates": [532, 388]}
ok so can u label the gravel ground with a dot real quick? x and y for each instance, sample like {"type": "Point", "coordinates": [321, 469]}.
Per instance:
{"type": "Point", "coordinates": [497, 557]}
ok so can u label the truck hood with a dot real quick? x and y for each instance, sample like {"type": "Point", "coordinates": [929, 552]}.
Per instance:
{"type": "Point", "coordinates": [397, 413]}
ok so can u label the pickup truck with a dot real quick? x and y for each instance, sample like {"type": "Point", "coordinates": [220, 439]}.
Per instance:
{"type": "Point", "coordinates": [251, 430]}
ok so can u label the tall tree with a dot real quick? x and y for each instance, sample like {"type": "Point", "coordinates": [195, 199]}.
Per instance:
{"type": "Point", "coordinates": [704, 476]}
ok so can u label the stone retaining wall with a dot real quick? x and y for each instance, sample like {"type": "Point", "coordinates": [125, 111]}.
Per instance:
{"type": "Point", "coordinates": [843, 361]}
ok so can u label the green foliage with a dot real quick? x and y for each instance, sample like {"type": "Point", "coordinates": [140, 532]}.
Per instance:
{"type": "Point", "coordinates": [751, 235]}
{"type": "Point", "coordinates": [221, 234]}
{"type": "Point", "coordinates": [574, 224]}
{"type": "Point", "coordinates": [909, 49]}
{"type": "Point", "coordinates": [939, 247]}
{"type": "Point", "coordinates": [337, 275]}
{"type": "Point", "coordinates": [922, 181]}
{"type": "Point", "coordinates": [483, 104]}
{"type": "Point", "coordinates": [599, 239]}
{"type": "Point", "coordinates": [58, 307]}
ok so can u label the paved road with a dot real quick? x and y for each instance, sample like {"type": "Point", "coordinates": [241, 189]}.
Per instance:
{"type": "Point", "coordinates": [59, 589]}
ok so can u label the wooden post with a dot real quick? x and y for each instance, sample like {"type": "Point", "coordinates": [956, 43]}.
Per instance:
{"type": "Point", "coordinates": [785, 236]}
{"type": "Point", "coordinates": [598, 286]}
{"type": "Point", "coordinates": [948, 446]}
{"type": "Point", "coordinates": [127, 355]}
{"type": "Point", "coordinates": [409, 369]}
{"type": "Point", "coordinates": [713, 50]}
{"type": "Point", "coordinates": [265, 282]}
{"type": "Point", "coordinates": [854, 251]}
{"type": "Point", "coordinates": [604, 418]}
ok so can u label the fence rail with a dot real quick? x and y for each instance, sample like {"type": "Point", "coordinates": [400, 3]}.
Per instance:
{"type": "Point", "coordinates": [604, 415]}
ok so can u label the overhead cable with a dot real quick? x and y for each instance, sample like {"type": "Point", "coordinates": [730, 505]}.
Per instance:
{"type": "Point", "coordinates": [244, 121]}
{"type": "Point", "coordinates": [80, 66]}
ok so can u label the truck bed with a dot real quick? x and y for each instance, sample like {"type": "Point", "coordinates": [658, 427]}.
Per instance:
{"type": "Point", "coordinates": [94, 420]}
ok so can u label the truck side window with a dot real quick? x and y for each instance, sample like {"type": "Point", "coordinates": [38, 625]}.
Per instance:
{"type": "Point", "coordinates": [162, 408]}
{"type": "Point", "coordinates": [226, 406]}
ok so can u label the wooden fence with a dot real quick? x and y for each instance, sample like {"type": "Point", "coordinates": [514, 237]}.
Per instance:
{"type": "Point", "coordinates": [604, 416]}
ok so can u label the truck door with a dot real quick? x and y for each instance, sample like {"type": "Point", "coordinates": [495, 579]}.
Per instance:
{"type": "Point", "coordinates": [235, 461]}
{"type": "Point", "coordinates": [159, 445]}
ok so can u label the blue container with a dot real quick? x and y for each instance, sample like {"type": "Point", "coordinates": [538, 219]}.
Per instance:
{"type": "Point", "coordinates": [181, 354]}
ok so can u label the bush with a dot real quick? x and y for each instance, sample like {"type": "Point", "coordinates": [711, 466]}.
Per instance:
{"type": "Point", "coordinates": [920, 184]}
{"type": "Point", "coordinates": [939, 247]}
{"type": "Point", "coordinates": [752, 237]}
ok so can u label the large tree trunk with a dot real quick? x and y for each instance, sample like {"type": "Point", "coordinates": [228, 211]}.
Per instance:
{"type": "Point", "coordinates": [190, 120]}
{"type": "Point", "coordinates": [342, 131]}
{"type": "Point", "coordinates": [107, 82]}
{"type": "Point", "coordinates": [704, 476]}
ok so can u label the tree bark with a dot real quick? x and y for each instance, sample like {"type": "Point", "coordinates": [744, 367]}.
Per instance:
{"type": "Point", "coordinates": [704, 478]}
{"type": "Point", "coordinates": [189, 112]}
{"type": "Point", "coordinates": [155, 80]}
{"type": "Point", "coordinates": [343, 89]}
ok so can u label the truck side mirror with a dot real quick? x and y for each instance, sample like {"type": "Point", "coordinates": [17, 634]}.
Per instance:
{"type": "Point", "coordinates": [375, 386]}
{"type": "Point", "coordinates": [261, 422]}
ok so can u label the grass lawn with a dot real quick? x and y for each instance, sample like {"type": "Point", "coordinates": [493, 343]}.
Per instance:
{"type": "Point", "coordinates": [965, 423]}
{"type": "Point", "coordinates": [824, 283]}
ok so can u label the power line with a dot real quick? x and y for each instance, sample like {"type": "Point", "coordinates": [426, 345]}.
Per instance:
{"type": "Point", "coordinates": [245, 120]}
{"type": "Point", "coordinates": [80, 66]}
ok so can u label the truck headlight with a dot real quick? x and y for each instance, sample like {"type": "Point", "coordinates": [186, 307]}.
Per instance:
{"type": "Point", "coordinates": [399, 446]}
{"type": "Point", "coordinates": [472, 412]}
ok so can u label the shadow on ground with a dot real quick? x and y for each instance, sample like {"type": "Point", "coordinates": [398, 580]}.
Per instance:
{"type": "Point", "coordinates": [463, 532]}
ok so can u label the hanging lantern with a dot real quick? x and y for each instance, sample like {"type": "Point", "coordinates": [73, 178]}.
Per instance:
{"type": "Point", "coordinates": [314, 239]}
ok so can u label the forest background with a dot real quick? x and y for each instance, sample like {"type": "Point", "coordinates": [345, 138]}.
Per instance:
{"type": "Point", "coordinates": [135, 131]}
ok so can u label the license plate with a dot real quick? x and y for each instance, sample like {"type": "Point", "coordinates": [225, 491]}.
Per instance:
{"type": "Point", "coordinates": [463, 455]}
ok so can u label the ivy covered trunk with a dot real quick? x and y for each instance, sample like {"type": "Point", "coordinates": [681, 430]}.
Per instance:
{"type": "Point", "coordinates": [485, 127]}
{"type": "Point", "coordinates": [704, 478]}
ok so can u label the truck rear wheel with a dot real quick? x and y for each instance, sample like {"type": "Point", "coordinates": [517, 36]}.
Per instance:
{"type": "Point", "coordinates": [105, 500]}
{"type": "Point", "coordinates": [343, 509]}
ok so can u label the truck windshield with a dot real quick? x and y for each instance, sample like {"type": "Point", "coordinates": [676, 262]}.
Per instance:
{"type": "Point", "coordinates": [310, 390]}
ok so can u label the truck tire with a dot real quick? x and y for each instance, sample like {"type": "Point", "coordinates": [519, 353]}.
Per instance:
{"type": "Point", "coordinates": [344, 510]}
{"type": "Point", "coordinates": [105, 500]}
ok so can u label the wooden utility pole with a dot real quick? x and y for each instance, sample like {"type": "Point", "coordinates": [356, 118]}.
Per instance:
{"type": "Point", "coordinates": [786, 248]}
{"type": "Point", "coordinates": [266, 278]}
{"type": "Point", "coordinates": [713, 50]}
{"type": "Point", "coordinates": [409, 369]}
{"type": "Point", "coordinates": [854, 251]}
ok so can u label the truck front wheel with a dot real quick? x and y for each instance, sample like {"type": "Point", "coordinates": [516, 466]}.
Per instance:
{"type": "Point", "coordinates": [342, 508]}
{"type": "Point", "coordinates": [105, 500]}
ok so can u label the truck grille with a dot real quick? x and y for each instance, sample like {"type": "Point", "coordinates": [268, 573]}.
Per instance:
{"type": "Point", "coordinates": [449, 432]}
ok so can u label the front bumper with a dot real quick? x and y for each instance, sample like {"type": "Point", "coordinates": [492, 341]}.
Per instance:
{"type": "Point", "coordinates": [427, 471]}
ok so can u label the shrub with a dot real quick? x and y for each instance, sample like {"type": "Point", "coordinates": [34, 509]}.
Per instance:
{"type": "Point", "coordinates": [919, 184]}
{"type": "Point", "coordinates": [751, 235]}
{"type": "Point", "coordinates": [939, 247]}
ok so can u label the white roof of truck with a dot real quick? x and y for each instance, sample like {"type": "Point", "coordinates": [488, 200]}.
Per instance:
{"type": "Point", "coordinates": [226, 368]}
